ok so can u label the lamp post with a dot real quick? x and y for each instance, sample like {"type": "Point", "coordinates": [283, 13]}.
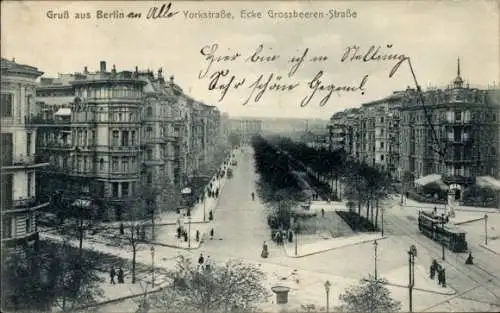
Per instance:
{"type": "Point", "coordinates": [442, 234]}
{"type": "Point", "coordinates": [296, 229]}
{"type": "Point", "coordinates": [327, 290]}
{"type": "Point", "coordinates": [189, 231]}
{"type": "Point", "coordinates": [486, 229]}
{"type": "Point", "coordinates": [375, 244]}
{"type": "Point", "coordinates": [204, 210]}
{"type": "Point", "coordinates": [382, 219]}
{"type": "Point", "coordinates": [412, 253]}
{"type": "Point", "coordinates": [152, 266]}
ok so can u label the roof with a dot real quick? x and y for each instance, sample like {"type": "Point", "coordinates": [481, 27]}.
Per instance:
{"type": "Point", "coordinates": [11, 67]}
{"type": "Point", "coordinates": [425, 180]}
{"type": "Point", "coordinates": [488, 181]}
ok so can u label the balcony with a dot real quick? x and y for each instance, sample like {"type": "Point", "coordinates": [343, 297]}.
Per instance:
{"type": "Point", "coordinates": [37, 120]}
{"type": "Point", "coordinates": [11, 242]}
{"type": "Point", "coordinates": [21, 161]}
{"type": "Point", "coordinates": [130, 149]}
{"type": "Point", "coordinates": [456, 122]}
{"type": "Point", "coordinates": [24, 205]}
{"type": "Point", "coordinates": [458, 179]}
{"type": "Point", "coordinates": [58, 146]}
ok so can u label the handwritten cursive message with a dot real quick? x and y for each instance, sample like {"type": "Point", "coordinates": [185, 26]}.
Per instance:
{"type": "Point", "coordinates": [218, 71]}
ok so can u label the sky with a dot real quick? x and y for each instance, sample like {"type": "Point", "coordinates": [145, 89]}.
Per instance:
{"type": "Point", "coordinates": [432, 34]}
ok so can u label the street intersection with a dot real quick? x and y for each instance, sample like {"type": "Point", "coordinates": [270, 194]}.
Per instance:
{"type": "Point", "coordinates": [240, 228]}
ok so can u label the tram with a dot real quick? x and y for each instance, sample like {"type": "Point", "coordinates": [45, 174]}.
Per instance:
{"type": "Point", "coordinates": [436, 228]}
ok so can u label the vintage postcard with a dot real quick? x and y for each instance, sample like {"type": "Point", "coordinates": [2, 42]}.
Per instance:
{"type": "Point", "coordinates": [239, 156]}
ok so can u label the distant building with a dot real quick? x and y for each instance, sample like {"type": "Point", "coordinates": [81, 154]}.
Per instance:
{"type": "Point", "coordinates": [454, 133]}
{"type": "Point", "coordinates": [246, 127]}
{"type": "Point", "coordinates": [19, 198]}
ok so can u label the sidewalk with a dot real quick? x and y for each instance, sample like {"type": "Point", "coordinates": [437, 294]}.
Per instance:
{"type": "Point", "coordinates": [328, 244]}
{"type": "Point", "coordinates": [416, 204]}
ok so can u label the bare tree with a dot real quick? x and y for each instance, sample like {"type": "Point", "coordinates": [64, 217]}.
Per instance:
{"type": "Point", "coordinates": [370, 296]}
{"type": "Point", "coordinates": [406, 183]}
{"type": "Point", "coordinates": [234, 286]}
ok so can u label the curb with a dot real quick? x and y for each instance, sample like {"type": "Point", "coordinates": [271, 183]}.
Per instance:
{"type": "Point", "coordinates": [469, 221]}
{"type": "Point", "coordinates": [489, 249]}
{"type": "Point", "coordinates": [330, 249]}
{"type": "Point", "coordinates": [424, 290]}
{"type": "Point", "coordinates": [94, 305]}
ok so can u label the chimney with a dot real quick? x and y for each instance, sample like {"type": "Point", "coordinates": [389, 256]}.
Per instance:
{"type": "Point", "coordinates": [103, 66]}
{"type": "Point", "coordinates": [114, 69]}
{"type": "Point", "coordinates": [14, 60]}
{"type": "Point", "coordinates": [136, 69]}
{"type": "Point", "coordinates": [85, 70]}
{"type": "Point", "coordinates": [172, 79]}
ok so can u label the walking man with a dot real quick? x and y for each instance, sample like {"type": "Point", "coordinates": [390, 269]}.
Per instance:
{"type": "Point", "coordinates": [112, 274]}
{"type": "Point", "coordinates": [201, 259]}
{"type": "Point", "coordinates": [212, 234]}
{"type": "Point", "coordinates": [120, 276]}
{"type": "Point", "coordinates": [253, 196]}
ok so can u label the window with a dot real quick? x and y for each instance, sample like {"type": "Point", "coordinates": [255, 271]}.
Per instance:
{"type": "Point", "coordinates": [115, 189]}
{"type": "Point", "coordinates": [125, 138]}
{"type": "Point", "coordinates": [150, 179]}
{"type": "Point", "coordinates": [29, 183]}
{"type": "Point", "coordinates": [94, 138]}
{"type": "Point", "coordinates": [132, 138]}
{"type": "Point", "coordinates": [125, 164]}
{"type": "Point", "coordinates": [7, 190]}
{"type": "Point", "coordinates": [115, 164]}
{"type": "Point", "coordinates": [28, 144]}
{"type": "Point", "coordinates": [28, 224]}
{"type": "Point", "coordinates": [6, 226]}
{"type": "Point", "coordinates": [149, 154]}
{"type": "Point", "coordinates": [149, 130]}
{"type": "Point", "coordinates": [7, 148]}
{"type": "Point", "coordinates": [381, 145]}
{"type": "Point", "coordinates": [6, 105]}
{"type": "Point", "coordinates": [149, 112]}
{"type": "Point", "coordinates": [85, 164]}
{"type": "Point", "coordinates": [458, 116]}
{"type": "Point", "coordinates": [115, 138]}
{"type": "Point", "coordinates": [381, 157]}
{"type": "Point", "coordinates": [381, 120]}
{"type": "Point", "coordinates": [125, 189]}
{"type": "Point", "coordinates": [101, 164]}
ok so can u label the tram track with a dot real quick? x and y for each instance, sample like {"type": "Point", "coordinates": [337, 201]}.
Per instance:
{"type": "Point", "coordinates": [474, 273]}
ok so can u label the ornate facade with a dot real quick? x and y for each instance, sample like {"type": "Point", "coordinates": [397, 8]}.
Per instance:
{"type": "Point", "coordinates": [453, 132]}
{"type": "Point", "coordinates": [20, 201]}
{"type": "Point", "coordinates": [107, 132]}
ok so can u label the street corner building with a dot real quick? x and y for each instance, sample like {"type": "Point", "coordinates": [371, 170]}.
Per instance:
{"type": "Point", "coordinates": [446, 136]}
{"type": "Point", "coordinates": [105, 134]}
{"type": "Point", "coordinates": [20, 164]}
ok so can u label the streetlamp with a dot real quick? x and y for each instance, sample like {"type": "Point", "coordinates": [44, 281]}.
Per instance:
{"type": "Point", "coordinates": [486, 229]}
{"type": "Point", "coordinates": [442, 235]}
{"type": "Point", "coordinates": [189, 231]}
{"type": "Point", "coordinates": [375, 244]}
{"type": "Point", "coordinates": [152, 266]}
{"type": "Point", "coordinates": [204, 210]}
{"type": "Point", "coordinates": [296, 229]}
{"type": "Point", "coordinates": [382, 220]}
{"type": "Point", "coordinates": [327, 290]}
{"type": "Point", "coordinates": [412, 253]}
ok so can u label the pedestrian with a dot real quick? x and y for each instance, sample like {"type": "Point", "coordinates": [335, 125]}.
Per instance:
{"type": "Point", "coordinates": [122, 231]}
{"type": "Point", "coordinates": [265, 253]}
{"type": "Point", "coordinates": [434, 267]}
{"type": "Point", "coordinates": [440, 276]}
{"type": "Point", "coordinates": [290, 236]}
{"type": "Point", "coordinates": [323, 212]}
{"type": "Point", "coordinates": [179, 232]}
{"type": "Point", "coordinates": [197, 235]}
{"type": "Point", "coordinates": [201, 259]}
{"type": "Point", "coordinates": [443, 278]}
{"type": "Point", "coordinates": [185, 236]}
{"type": "Point", "coordinates": [470, 259]}
{"type": "Point", "coordinates": [120, 276]}
{"type": "Point", "coordinates": [207, 263]}
{"type": "Point", "coordinates": [112, 274]}
{"type": "Point", "coordinates": [253, 196]}
{"type": "Point", "coordinates": [211, 234]}
{"type": "Point", "coordinates": [210, 215]}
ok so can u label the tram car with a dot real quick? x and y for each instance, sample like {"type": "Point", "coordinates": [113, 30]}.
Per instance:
{"type": "Point", "coordinates": [436, 228]}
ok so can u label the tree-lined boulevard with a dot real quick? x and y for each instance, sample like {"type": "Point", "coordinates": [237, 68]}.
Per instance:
{"type": "Point", "coordinates": [270, 168]}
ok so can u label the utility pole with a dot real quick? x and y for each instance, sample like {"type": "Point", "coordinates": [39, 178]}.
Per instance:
{"type": "Point", "coordinates": [375, 247]}
{"type": "Point", "coordinates": [486, 229]}
{"type": "Point", "coordinates": [412, 253]}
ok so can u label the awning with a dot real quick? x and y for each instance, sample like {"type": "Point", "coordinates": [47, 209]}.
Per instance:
{"type": "Point", "coordinates": [186, 191]}
{"type": "Point", "coordinates": [82, 203]}
{"type": "Point", "coordinates": [425, 180]}
{"type": "Point", "coordinates": [63, 112]}
{"type": "Point", "coordinates": [488, 181]}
